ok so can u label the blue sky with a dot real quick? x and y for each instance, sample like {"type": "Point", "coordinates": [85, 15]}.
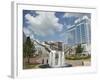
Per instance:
{"type": "Point", "coordinates": [49, 26]}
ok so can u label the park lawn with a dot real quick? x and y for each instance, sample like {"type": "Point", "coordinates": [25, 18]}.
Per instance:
{"type": "Point", "coordinates": [30, 66]}
{"type": "Point", "coordinates": [78, 57]}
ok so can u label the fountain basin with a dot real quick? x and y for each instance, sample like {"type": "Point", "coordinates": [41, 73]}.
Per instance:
{"type": "Point", "coordinates": [44, 66]}
{"type": "Point", "coordinates": [48, 66]}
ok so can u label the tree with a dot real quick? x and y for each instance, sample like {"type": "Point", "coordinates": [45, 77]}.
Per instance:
{"type": "Point", "coordinates": [28, 48]}
{"type": "Point", "coordinates": [79, 49]}
{"type": "Point", "coordinates": [24, 50]}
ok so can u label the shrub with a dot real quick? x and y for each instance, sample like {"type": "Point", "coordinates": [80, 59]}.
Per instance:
{"type": "Point", "coordinates": [77, 57]}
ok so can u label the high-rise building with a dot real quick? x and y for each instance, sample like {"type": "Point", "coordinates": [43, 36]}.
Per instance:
{"type": "Point", "coordinates": [80, 32]}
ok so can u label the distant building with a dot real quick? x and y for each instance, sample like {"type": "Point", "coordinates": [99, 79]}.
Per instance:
{"type": "Point", "coordinates": [55, 45]}
{"type": "Point", "coordinates": [80, 33]}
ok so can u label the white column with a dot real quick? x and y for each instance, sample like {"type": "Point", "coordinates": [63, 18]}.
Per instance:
{"type": "Point", "coordinates": [53, 60]}
{"type": "Point", "coordinates": [59, 58]}
{"type": "Point", "coordinates": [50, 58]}
{"type": "Point", "coordinates": [63, 59]}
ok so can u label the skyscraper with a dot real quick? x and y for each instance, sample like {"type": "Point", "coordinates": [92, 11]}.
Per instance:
{"type": "Point", "coordinates": [79, 32]}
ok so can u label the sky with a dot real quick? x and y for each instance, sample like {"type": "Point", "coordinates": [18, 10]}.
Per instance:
{"type": "Point", "coordinates": [49, 26]}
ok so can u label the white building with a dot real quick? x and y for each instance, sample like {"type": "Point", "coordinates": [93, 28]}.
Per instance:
{"type": "Point", "coordinates": [80, 33]}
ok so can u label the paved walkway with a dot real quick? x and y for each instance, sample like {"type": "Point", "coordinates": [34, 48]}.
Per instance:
{"type": "Point", "coordinates": [79, 62]}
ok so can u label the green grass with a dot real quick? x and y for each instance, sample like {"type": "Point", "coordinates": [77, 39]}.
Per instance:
{"type": "Point", "coordinates": [77, 57]}
{"type": "Point", "coordinates": [29, 66]}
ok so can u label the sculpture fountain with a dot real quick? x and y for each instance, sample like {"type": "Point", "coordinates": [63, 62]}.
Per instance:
{"type": "Point", "coordinates": [56, 55]}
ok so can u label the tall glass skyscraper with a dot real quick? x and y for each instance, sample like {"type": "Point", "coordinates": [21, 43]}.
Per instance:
{"type": "Point", "coordinates": [80, 32]}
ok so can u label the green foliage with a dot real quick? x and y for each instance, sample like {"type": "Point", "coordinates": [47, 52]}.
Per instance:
{"type": "Point", "coordinates": [30, 66]}
{"type": "Point", "coordinates": [79, 49]}
{"type": "Point", "coordinates": [24, 50]}
{"type": "Point", "coordinates": [28, 48]}
{"type": "Point", "coordinates": [77, 57]}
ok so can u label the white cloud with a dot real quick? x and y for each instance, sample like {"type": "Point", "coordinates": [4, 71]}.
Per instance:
{"type": "Point", "coordinates": [67, 35]}
{"type": "Point", "coordinates": [64, 37]}
{"type": "Point", "coordinates": [69, 15]}
{"type": "Point", "coordinates": [66, 15]}
{"type": "Point", "coordinates": [27, 31]}
{"type": "Point", "coordinates": [46, 23]}
{"type": "Point", "coordinates": [73, 15]}
{"type": "Point", "coordinates": [32, 36]}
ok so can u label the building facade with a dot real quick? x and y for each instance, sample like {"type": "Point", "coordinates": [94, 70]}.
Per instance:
{"type": "Point", "coordinates": [80, 33]}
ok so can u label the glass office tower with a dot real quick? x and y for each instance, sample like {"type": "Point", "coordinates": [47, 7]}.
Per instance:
{"type": "Point", "coordinates": [80, 32]}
